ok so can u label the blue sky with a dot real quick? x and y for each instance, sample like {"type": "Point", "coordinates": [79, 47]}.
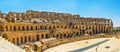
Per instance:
{"type": "Point", "coordinates": [86, 8]}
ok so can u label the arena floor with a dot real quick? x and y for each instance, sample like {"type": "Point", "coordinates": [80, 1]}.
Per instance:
{"type": "Point", "coordinates": [91, 45]}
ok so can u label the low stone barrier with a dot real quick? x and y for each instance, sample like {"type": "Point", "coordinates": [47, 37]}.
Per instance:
{"type": "Point", "coordinates": [45, 46]}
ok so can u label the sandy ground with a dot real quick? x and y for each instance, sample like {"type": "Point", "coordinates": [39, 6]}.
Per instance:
{"type": "Point", "coordinates": [112, 43]}
{"type": "Point", "coordinates": [6, 46]}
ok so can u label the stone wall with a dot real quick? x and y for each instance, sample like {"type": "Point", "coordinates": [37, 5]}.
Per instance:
{"type": "Point", "coordinates": [20, 28]}
{"type": "Point", "coordinates": [63, 41]}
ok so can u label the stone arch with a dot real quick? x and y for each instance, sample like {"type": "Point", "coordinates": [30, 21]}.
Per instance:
{"type": "Point", "coordinates": [42, 36]}
{"type": "Point", "coordinates": [29, 38]}
{"type": "Point", "coordinates": [10, 28]}
{"type": "Point", "coordinates": [90, 27]}
{"type": "Point", "coordinates": [77, 33]}
{"type": "Point", "coordinates": [57, 36]}
{"type": "Point", "coordinates": [37, 37]}
{"type": "Point", "coordinates": [53, 35]}
{"type": "Point", "coordinates": [14, 28]}
{"type": "Point", "coordinates": [14, 40]}
{"type": "Point", "coordinates": [64, 35]}
{"type": "Point", "coordinates": [83, 27]}
{"type": "Point", "coordinates": [31, 27]}
{"type": "Point", "coordinates": [61, 36]}
{"type": "Point", "coordinates": [81, 33]}
{"type": "Point", "coordinates": [23, 27]}
{"type": "Point", "coordinates": [18, 27]}
{"type": "Point", "coordinates": [27, 27]}
{"type": "Point", "coordinates": [94, 32]}
{"type": "Point", "coordinates": [25, 39]}
{"type": "Point", "coordinates": [76, 27]}
{"type": "Point", "coordinates": [5, 36]}
{"type": "Point", "coordinates": [65, 27]}
{"type": "Point", "coordinates": [17, 41]}
{"type": "Point", "coordinates": [79, 27]}
{"type": "Point", "coordinates": [50, 27]}
{"type": "Point", "coordinates": [45, 27]}
{"type": "Point", "coordinates": [72, 26]}
{"type": "Point", "coordinates": [87, 32]}
{"type": "Point", "coordinates": [53, 27]}
{"type": "Point", "coordinates": [90, 32]}
{"type": "Point", "coordinates": [72, 34]}
{"type": "Point", "coordinates": [61, 26]}
{"type": "Point", "coordinates": [21, 39]}
{"type": "Point", "coordinates": [41, 27]}
{"type": "Point", "coordinates": [87, 27]}
{"type": "Point", "coordinates": [57, 26]}
{"type": "Point", "coordinates": [36, 27]}
{"type": "Point", "coordinates": [69, 35]}
{"type": "Point", "coordinates": [47, 35]}
{"type": "Point", "coordinates": [6, 28]}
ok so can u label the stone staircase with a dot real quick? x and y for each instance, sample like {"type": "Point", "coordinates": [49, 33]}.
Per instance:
{"type": "Point", "coordinates": [6, 46]}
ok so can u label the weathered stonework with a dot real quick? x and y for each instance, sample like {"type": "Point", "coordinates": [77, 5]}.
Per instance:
{"type": "Point", "coordinates": [32, 26]}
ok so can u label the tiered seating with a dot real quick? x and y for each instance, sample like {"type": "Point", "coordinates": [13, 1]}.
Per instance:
{"type": "Point", "coordinates": [6, 46]}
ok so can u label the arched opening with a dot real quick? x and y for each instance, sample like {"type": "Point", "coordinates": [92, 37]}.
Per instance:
{"type": "Point", "coordinates": [96, 31]}
{"type": "Point", "coordinates": [18, 27]}
{"type": "Point", "coordinates": [57, 26]}
{"type": "Point", "coordinates": [49, 27]}
{"type": "Point", "coordinates": [81, 33]}
{"type": "Point", "coordinates": [65, 27]}
{"type": "Point", "coordinates": [17, 41]}
{"type": "Point", "coordinates": [45, 27]}
{"type": "Point", "coordinates": [31, 27]}
{"type": "Point", "coordinates": [99, 32]}
{"type": "Point", "coordinates": [61, 26]}
{"type": "Point", "coordinates": [27, 27]}
{"type": "Point", "coordinates": [21, 39]}
{"type": "Point", "coordinates": [6, 28]}
{"type": "Point", "coordinates": [61, 36]}
{"type": "Point", "coordinates": [10, 28]}
{"type": "Point", "coordinates": [71, 35]}
{"type": "Point", "coordinates": [29, 38]}
{"type": "Point", "coordinates": [36, 27]}
{"type": "Point", "coordinates": [76, 27]}
{"type": "Point", "coordinates": [77, 33]}
{"type": "Point", "coordinates": [41, 28]}
{"type": "Point", "coordinates": [23, 28]}
{"type": "Point", "coordinates": [53, 27]}
{"type": "Point", "coordinates": [64, 35]}
{"type": "Point", "coordinates": [5, 36]}
{"type": "Point", "coordinates": [79, 27]}
{"type": "Point", "coordinates": [68, 35]}
{"type": "Point", "coordinates": [72, 26]}
{"type": "Point", "coordinates": [42, 36]}
{"type": "Point", "coordinates": [57, 36]}
{"type": "Point", "coordinates": [13, 40]}
{"type": "Point", "coordinates": [37, 37]}
{"type": "Point", "coordinates": [25, 39]}
{"type": "Point", "coordinates": [14, 28]}
{"type": "Point", "coordinates": [107, 31]}
{"type": "Point", "coordinates": [90, 33]}
{"type": "Point", "coordinates": [47, 36]}
{"type": "Point", "coordinates": [53, 35]}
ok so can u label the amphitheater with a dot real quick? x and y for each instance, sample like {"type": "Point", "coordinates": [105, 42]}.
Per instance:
{"type": "Point", "coordinates": [35, 31]}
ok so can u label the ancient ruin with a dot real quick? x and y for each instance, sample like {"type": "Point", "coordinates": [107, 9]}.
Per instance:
{"type": "Point", "coordinates": [33, 26]}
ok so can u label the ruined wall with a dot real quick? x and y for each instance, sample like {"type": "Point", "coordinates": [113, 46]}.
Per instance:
{"type": "Point", "coordinates": [20, 28]}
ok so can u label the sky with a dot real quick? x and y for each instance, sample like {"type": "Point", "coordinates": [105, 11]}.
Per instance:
{"type": "Point", "coordinates": [85, 8]}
